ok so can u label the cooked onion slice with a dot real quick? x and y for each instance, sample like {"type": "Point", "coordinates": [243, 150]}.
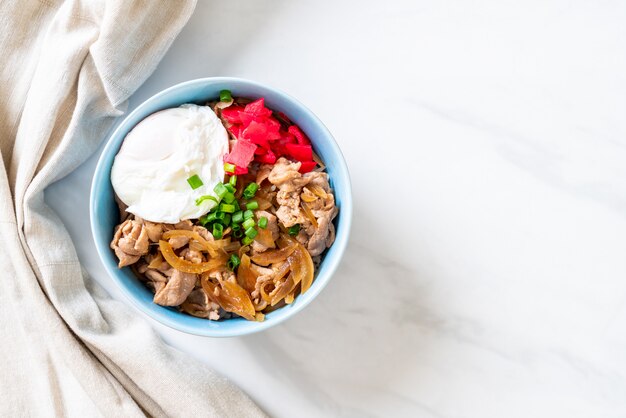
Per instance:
{"type": "Point", "coordinates": [212, 247]}
{"type": "Point", "coordinates": [289, 298]}
{"type": "Point", "coordinates": [264, 237]}
{"type": "Point", "coordinates": [317, 191]}
{"type": "Point", "coordinates": [281, 270]}
{"type": "Point", "coordinates": [232, 247]}
{"type": "Point", "coordinates": [308, 197]}
{"type": "Point", "coordinates": [264, 204]}
{"type": "Point", "coordinates": [156, 262]}
{"type": "Point", "coordinates": [260, 305]}
{"type": "Point", "coordinates": [309, 214]}
{"type": "Point", "coordinates": [283, 289]}
{"type": "Point", "coordinates": [230, 296]}
{"type": "Point", "coordinates": [245, 249]}
{"type": "Point", "coordinates": [274, 256]}
{"type": "Point", "coordinates": [245, 276]}
{"type": "Point", "coordinates": [222, 105]}
{"type": "Point", "coordinates": [184, 233]}
{"type": "Point", "coordinates": [187, 266]}
{"type": "Point", "coordinates": [196, 246]}
{"type": "Point", "coordinates": [319, 162]}
{"type": "Point", "coordinates": [301, 266]}
{"type": "Point", "coordinates": [265, 293]}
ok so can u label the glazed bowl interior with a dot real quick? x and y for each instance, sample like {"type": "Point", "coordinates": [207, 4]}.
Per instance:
{"type": "Point", "coordinates": [105, 216]}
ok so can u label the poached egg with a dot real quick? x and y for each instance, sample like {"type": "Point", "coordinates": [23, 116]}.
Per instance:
{"type": "Point", "coordinates": [160, 153]}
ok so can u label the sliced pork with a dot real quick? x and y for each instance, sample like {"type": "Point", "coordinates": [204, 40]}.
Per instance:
{"type": "Point", "coordinates": [318, 234]}
{"type": "Point", "coordinates": [130, 242]}
{"type": "Point", "coordinates": [177, 289]}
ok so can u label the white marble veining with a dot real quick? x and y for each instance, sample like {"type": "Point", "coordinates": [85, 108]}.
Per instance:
{"type": "Point", "coordinates": [486, 274]}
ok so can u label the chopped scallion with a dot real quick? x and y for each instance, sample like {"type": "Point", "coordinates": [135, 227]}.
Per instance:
{"type": "Point", "coordinates": [229, 187]}
{"type": "Point", "coordinates": [263, 222]}
{"type": "Point", "coordinates": [248, 223]}
{"type": "Point", "coordinates": [225, 207]}
{"type": "Point", "coordinates": [219, 216]}
{"type": "Point", "coordinates": [229, 168]}
{"type": "Point", "coordinates": [251, 232]}
{"type": "Point", "coordinates": [206, 197]}
{"type": "Point", "coordinates": [250, 190]}
{"type": "Point", "coordinates": [247, 240]}
{"type": "Point", "coordinates": [294, 230]}
{"type": "Point", "coordinates": [226, 96]}
{"type": "Point", "coordinates": [252, 205]}
{"type": "Point", "coordinates": [248, 214]}
{"type": "Point", "coordinates": [208, 218]}
{"type": "Point", "coordinates": [218, 230]}
{"type": "Point", "coordinates": [238, 217]}
{"type": "Point", "coordinates": [238, 233]}
{"type": "Point", "coordinates": [233, 180]}
{"type": "Point", "coordinates": [220, 190]}
{"type": "Point", "coordinates": [234, 262]}
{"type": "Point", "coordinates": [229, 197]}
{"type": "Point", "coordinates": [226, 220]}
{"type": "Point", "coordinates": [194, 181]}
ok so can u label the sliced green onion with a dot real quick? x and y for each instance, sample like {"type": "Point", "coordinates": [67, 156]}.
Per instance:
{"type": "Point", "coordinates": [263, 222]}
{"type": "Point", "coordinates": [236, 227]}
{"type": "Point", "coordinates": [208, 218]}
{"type": "Point", "coordinates": [194, 181]}
{"type": "Point", "coordinates": [252, 205]}
{"type": "Point", "coordinates": [206, 197]}
{"type": "Point", "coordinates": [250, 190]}
{"type": "Point", "coordinates": [251, 232]}
{"type": "Point", "coordinates": [225, 207]}
{"type": "Point", "coordinates": [225, 96]}
{"type": "Point", "coordinates": [220, 190]}
{"type": "Point", "coordinates": [233, 180]}
{"type": "Point", "coordinates": [219, 216]}
{"type": "Point", "coordinates": [238, 217]}
{"type": "Point", "coordinates": [229, 187]}
{"type": "Point", "coordinates": [294, 230]}
{"type": "Point", "coordinates": [247, 240]}
{"type": "Point", "coordinates": [229, 168]}
{"type": "Point", "coordinates": [248, 223]}
{"type": "Point", "coordinates": [237, 207]}
{"type": "Point", "coordinates": [218, 230]}
{"type": "Point", "coordinates": [238, 233]}
{"type": "Point", "coordinates": [234, 262]}
{"type": "Point", "coordinates": [226, 220]}
{"type": "Point", "coordinates": [229, 197]}
{"type": "Point", "coordinates": [248, 214]}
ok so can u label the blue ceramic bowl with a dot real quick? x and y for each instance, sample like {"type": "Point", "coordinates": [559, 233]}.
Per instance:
{"type": "Point", "coordinates": [104, 212]}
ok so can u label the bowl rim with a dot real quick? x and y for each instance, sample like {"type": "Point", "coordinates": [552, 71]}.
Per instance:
{"type": "Point", "coordinates": [161, 316]}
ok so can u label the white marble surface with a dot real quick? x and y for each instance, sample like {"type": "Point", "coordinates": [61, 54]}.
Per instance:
{"type": "Point", "coordinates": [486, 274]}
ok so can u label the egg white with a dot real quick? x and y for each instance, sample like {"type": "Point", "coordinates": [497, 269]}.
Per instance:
{"type": "Point", "coordinates": [157, 157]}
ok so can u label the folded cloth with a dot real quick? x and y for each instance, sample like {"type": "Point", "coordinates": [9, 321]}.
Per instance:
{"type": "Point", "coordinates": [67, 70]}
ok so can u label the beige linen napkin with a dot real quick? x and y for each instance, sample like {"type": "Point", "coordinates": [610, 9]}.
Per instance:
{"type": "Point", "coordinates": [67, 70]}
